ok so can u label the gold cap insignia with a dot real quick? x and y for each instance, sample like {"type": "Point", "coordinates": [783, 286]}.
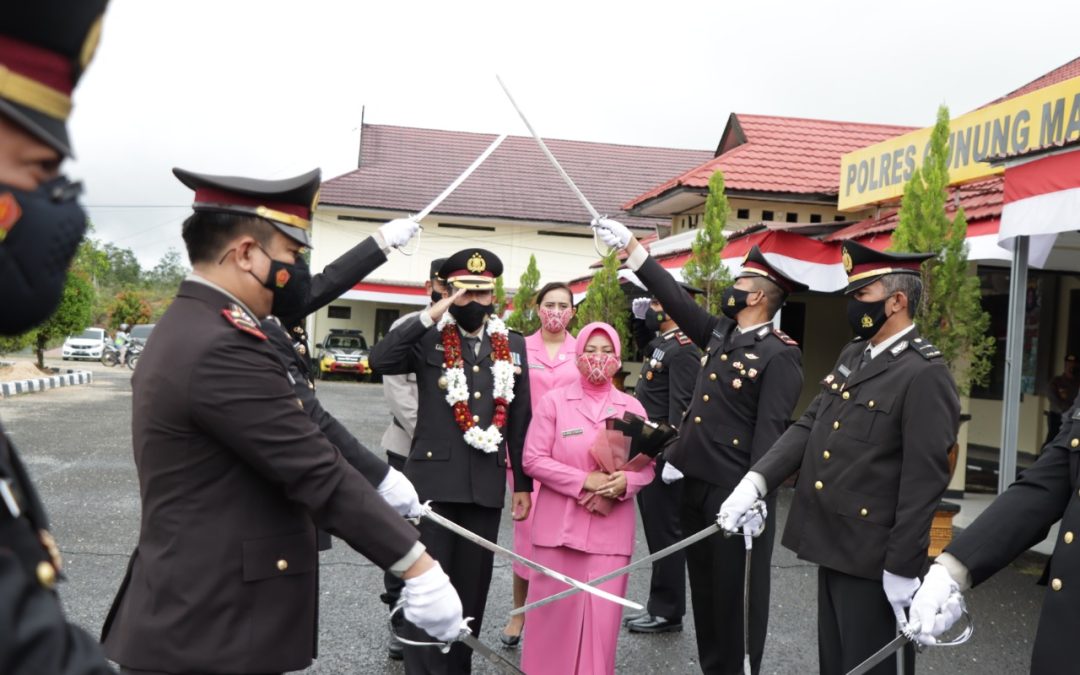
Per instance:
{"type": "Point", "coordinates": [846, 258]}
{"type": "Point", "coordinates": [476, 263]}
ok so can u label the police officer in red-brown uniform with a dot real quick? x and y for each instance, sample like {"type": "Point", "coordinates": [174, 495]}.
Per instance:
{"type": "Point", "coordinates": [234, 477]}
{"type": "Point", "coordinates": [45, 45]}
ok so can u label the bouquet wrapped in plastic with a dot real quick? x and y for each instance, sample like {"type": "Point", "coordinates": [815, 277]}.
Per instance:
{"type": "Point", "coordinates": [629, 444]}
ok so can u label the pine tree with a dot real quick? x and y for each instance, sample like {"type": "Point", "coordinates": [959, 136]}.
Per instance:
{"type": "Point", "coordinates": [705, 268]}
{"type": "Point", "coordinates": [500, 297]}
{"type": "Point", "coordinates": [524, 318]}
{"type": "Point", "coordinates": [605, 301]}
{"type": "Point", "coordinates": [951, 315]}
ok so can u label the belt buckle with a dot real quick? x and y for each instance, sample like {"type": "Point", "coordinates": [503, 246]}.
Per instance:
{"type": "Point", "coordinates": [8, 498]}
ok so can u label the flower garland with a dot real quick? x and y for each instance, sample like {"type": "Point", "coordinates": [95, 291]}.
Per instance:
{"type": "Point", "coordinates": [457, 388]}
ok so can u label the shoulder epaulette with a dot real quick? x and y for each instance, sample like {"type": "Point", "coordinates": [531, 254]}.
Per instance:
{"type": "Point", "coordinates": [925, 349]}
{"type": "Point", "coordinates": [242, 321]}
{"type": "Point", "coordinates": [682, 338]}
{"type": "Point", "coordinates": [785, 338]}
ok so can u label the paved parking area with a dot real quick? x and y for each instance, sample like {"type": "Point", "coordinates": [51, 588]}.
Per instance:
{"type": "Point", "coordinates": [77, 445]}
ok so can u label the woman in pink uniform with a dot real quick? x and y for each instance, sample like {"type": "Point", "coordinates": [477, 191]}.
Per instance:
{"type": "Point", "coordinates": [578, 634]}
{"type": "Point", "coordinates": [550, 352]}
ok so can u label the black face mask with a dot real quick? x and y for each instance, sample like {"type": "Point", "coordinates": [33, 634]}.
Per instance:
{"type": "Point", "coordinates": [866, 318]}
{"type": "Point", "coordinates": [291, 285]}
{"type": "Point", "coordinates": [470, 316]}
{"type": "Point", "coordinates": [733, 301]}
{"type": "Point", "coordinates": [43, 229]}
{"type": "Point", "coordinates": [436, 296]}
{"type": "Point", "coordinates": [653, 319]}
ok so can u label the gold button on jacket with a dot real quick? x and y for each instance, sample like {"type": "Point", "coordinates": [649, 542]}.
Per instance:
{"type": "Point", "coordinates": [282, 565]}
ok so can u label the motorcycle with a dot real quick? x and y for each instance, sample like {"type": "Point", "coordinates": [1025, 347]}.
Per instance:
{"type": "Point", "coordinates": [111, 355]}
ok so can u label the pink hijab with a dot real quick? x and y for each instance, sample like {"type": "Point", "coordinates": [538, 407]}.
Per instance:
{"type": "Point", "coordinates": [596, 396]}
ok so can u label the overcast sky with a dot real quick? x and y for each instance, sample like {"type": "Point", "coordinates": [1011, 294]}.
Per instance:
{"type": "Point", "coordinates": [272, 89]}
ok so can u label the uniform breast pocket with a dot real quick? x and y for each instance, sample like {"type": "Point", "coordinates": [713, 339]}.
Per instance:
{"type": "Point", "coordinates": [429, 450]}
{"type": "Point", "coordinates": [869, 508]}
{"type": "Point", "coordinates": [272, 557]}
{"type": "Point", "coordinates": [870, 416]}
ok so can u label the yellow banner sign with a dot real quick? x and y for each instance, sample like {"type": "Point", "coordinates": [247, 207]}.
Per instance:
{"type": "Point", "coordinates": [1039, 119]}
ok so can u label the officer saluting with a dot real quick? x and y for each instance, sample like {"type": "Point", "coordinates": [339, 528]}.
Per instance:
{"type": "Point", "coordinates": [872, 456]}
{"type": "Point", "coordinates": [473, 397]}
{"type": "Point", "coordinates": [234, 476]}
{"type": "Point", "coordinates": [1048, 491]}
{"type": "Point", "coordinates": [44, 48]}
{"type": "Point", "coordinates": [743, 399]}
{"type": "Point", "coordinates": [668, 374]}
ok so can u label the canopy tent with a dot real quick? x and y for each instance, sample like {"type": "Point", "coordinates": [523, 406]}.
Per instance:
{"type": "Point", "coordinates": [1039, 224]}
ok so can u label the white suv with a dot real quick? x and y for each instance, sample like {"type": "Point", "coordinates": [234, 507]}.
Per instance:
{"type": "Point", "coordinates": [87, 345]}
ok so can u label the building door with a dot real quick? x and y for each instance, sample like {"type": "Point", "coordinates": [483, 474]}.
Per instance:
{"type": "Point", "coordinates": [384, 318]}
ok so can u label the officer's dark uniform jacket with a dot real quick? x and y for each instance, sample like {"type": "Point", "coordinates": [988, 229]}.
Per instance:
{"type": "Point", "coordinates": [441, 466]}
{"type": "Point", "coordinates": [34, 635]}
{"type": "Point", "coordinates": [745, 392]}
{"type": "Point", "coordinates": [234, 477]}
{"type": "Point", "coordinates": [1048, 491]}
{"type": "Point", "coordinates": [670, 369]}
{"type": "Point", "coordinates": [872, 452]}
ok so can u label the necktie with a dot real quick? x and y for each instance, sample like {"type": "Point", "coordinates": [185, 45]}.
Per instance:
{"type": "Point", "coordinates": [865, 359]}
{"type": "Point", "coordinates": [472, 344]}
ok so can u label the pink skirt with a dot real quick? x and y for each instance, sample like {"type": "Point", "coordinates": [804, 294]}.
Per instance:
{"type": "Point", "coordinates": [577, 634]}
{"type": "Point", "coordinates": [523, 530]}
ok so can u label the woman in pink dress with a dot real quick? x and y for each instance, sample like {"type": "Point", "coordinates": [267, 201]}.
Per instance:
{"type": "Point", "coordinates": [578, 634]}
{"type": "Point", "coordinates": [550, 352]}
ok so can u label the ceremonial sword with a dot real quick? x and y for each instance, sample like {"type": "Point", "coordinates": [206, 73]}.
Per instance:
{"type": "Point", "coordinates": [555, 163]}
{"type": "Point", "coordinates": [465, 637]}
{"type": "Point", "coordinates": [427, 512]}
{"type": "Point", "coordinates": [662, 553]}
{"type": "Point", "coordinates": [907, 634]}
{"type": "Point", "coordinates": [748, 540]}
{"type": "Point", "coordinates": [453, 186]}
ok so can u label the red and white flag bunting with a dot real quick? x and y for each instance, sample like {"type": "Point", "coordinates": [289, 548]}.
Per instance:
{"type": "Point", "coordinates": [1042, 200]}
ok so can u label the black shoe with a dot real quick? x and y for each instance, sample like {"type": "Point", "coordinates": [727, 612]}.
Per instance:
{"type": "Point", "coordinates": [654, 624]}
{"type": "Point", "coordinates": [509, 641]}
{"type": "Point", "coordinates": [396, 650]}
{"type": "Point", "coordinates": [634, 617]}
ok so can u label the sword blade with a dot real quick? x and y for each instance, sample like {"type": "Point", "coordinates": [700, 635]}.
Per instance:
{"type": "Point", "coordinates": [647, 560]}
{"type": "Point", "coordinates": [492, 657]}
{"type": "Point", "coordinates": [551, 158]}
{"type": "Point", "coordinates": [460, 179]}
{"type": "Point", "coordinates": [506, 553]}
{"type": "Point", "coordinates": [880, 655]}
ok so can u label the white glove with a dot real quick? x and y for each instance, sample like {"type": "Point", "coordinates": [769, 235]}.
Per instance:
{"type": "Point", "coordinates": [397, 491]}
{"type": "Point", "coordinates": [735, 509]}
{"type": "Point", "coordinates": [639, 306]}
{"type": "Point", "coordinates": [398, 232]}
{"type": "Point", "coordinates": [613, 233]}
{"type": "Point", "coordinates": [432, 604]}
{"type": "Point", "coordinates": [899, 591]}
{"type": "Point", "coordinates": [670, 474]}
{"type": "Point", "coordinates": [937, 605]}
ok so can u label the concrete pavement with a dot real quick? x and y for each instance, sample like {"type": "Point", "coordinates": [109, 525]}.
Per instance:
{"type": "Point", "coordinates": [77, 443]}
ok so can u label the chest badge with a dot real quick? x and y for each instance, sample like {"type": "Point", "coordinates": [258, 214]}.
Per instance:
{"type": "Point", "coordinates": [736, 383]}
{"type": "Point", "coordinates": [752, 373]}
{"type": "Point", "coordinates": [649, 375]}
{"type": "Point", "coordinates": [752, 356]}
{"type": "Point", "coordinates": [737, 365]}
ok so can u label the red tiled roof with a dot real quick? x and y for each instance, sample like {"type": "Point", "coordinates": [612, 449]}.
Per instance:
{"type": "Point", "coordinates": [404, 168]}
{"type": "Point", "coordinates": [1059, 74]}
{"type": "Point", "coordinates": [779, 154]}
{"type": "Point", "coordinates": [982, 200]}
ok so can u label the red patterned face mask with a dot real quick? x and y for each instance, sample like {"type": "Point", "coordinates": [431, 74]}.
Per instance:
{"type": "Point", "coordinates": [554, 320]}
{"type": "Point", "coordinates": [598, 367]}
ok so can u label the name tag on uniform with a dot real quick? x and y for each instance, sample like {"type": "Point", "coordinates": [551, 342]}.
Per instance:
{"type": "Point", "coordinates": [573, 432]}
{"type": "Point", "coordinates": [843, 370]}
{"type": "Point", "coordinates": [439, 347]}
{"type": "Point", "coordinates": [516, 358]}
{"type": "Point", "coordinates": [537, 366]}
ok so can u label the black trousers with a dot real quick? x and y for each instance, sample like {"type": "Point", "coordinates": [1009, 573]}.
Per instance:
{"type": "Point", "coordinates": [391, 583]}
{"type": "Point", "coordinates": [854, 621]}
{"type": "Point", "coordinates": [659, 504]}
{"type": "Point", "coordinates": [716, 566]}
{"type": "Point", "coordinates": [469, 568]}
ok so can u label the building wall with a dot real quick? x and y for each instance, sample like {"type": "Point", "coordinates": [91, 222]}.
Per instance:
{"type": "Point", "coordinates": [558, 258]}
{"type": "Point", "coordinates": [825, 334]}
{"type": "Point", "coordinates": [755, 212]}
{"type": "Point", "coordinates": [362, 318]}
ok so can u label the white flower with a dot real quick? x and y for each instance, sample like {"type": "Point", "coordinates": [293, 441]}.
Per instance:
{"type": "Point", "coordinates": [457, 389]}
{"type": "Point", "coordinates": [503, 374]}
{"type": "Point", "coordinates": [487, 440]}
{"type": "Point", "coordinates": [444, 321]}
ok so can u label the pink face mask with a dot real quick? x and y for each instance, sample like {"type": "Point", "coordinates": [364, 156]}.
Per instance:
{"type": "Point", "coordinates": [554, 320]}
{"type": "Point", "coordinates": [598, 367]}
